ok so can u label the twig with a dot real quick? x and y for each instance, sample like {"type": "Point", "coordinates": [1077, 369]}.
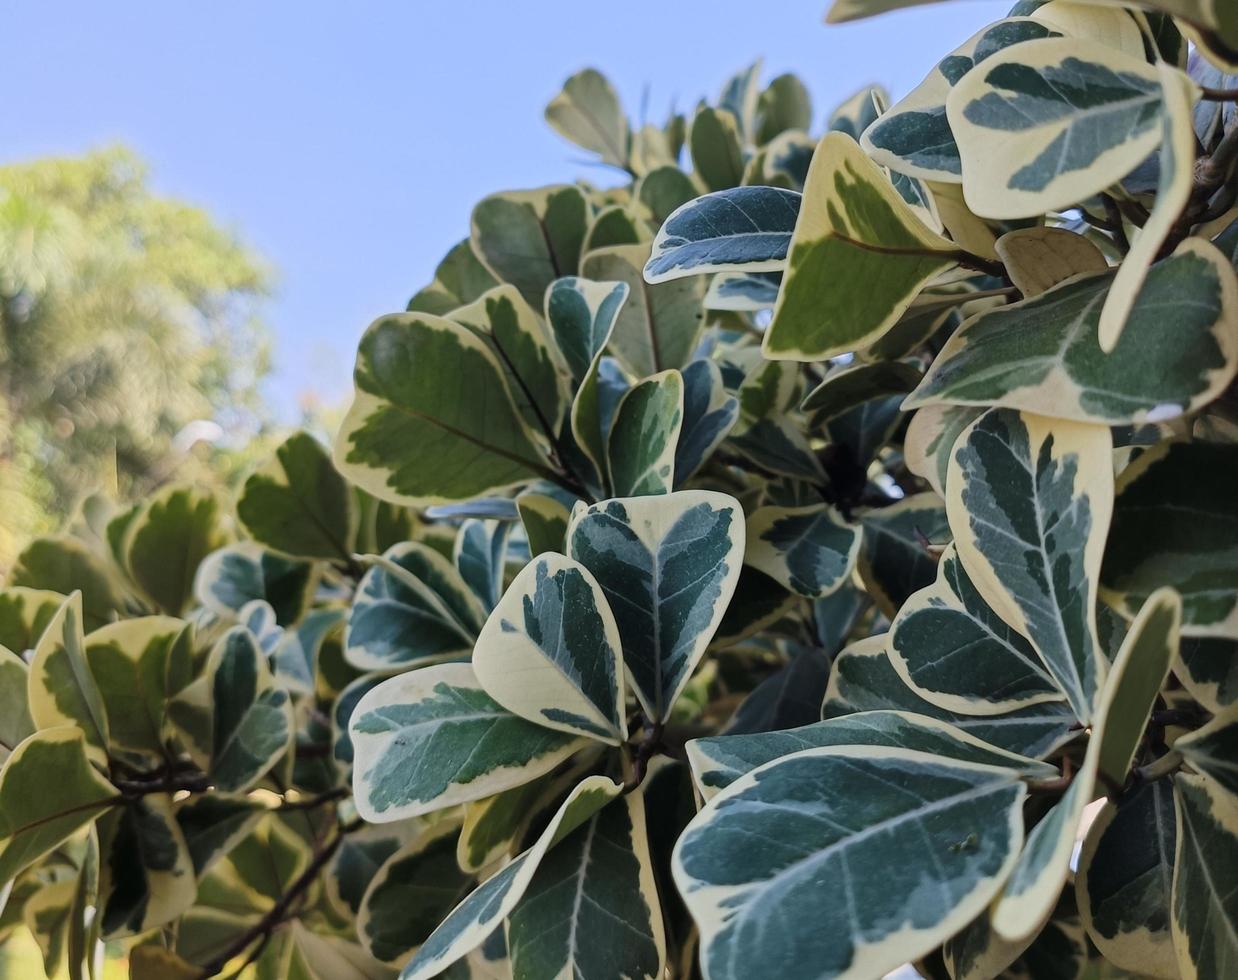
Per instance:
{"type": "Point", "coordinates": [313, 802]}
{"type": "Point", "coordinates": [1218, 94]}
{"type": "Point", "coordinates": [263, 928]}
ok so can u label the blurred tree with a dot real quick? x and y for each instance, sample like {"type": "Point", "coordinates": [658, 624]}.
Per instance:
{"type": "Point", "coordinates": [131, 344]}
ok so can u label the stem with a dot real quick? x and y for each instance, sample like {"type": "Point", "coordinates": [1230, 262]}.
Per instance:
{"type": "Point", "coordinates": [313, 802]}
{"type": "Point", "coordinates": [1159, 768]}
{"type": "Point", "coordinates": [1218, 94]}
{"type": "Point", "coordinates": [194, 782]}
{"type": "Point", "coordinates": [263, 928]}
{"type": "Point", "coordinates": [1114, 223]}
{"type": "Point", "coordinates": [969, 260]}
{"type": "Point", "coordinates": [1058, 785]}
{"type": "Point", "coordinates": [645, 751]}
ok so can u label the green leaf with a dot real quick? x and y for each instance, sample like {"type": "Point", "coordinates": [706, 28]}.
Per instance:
{"type": "Point", "coordinates": [581, 315]}
{"type": "Point", "coordinates": [709, 413]}
{"type": "Point", "coordinates": [643, 439]}
{"type": "Point", "coordinates": [1050, 123]}
{"type": "Point", "coordinates": [252, 724]}
{"type": "Point", "coordinates": [473, 920]}
{"type": "Point", "coordinates": [720, 760]}
{"type": "Point", "coordinates": [785, 104]}
{"type": "Point", "coordinates": [810, 550]}
{"type": "Point", "coordinates": [668, 567]}
{"type": "Point", "coordinates": [432, 738]}
{"type": "Point", "coordinates": [62, 690]}
{"type": "Point", "coordinates": [459, 279]}
{"type": "Point", "coordinates": [531, 238]}
{"type": "Point", "coordinates": [587, 112]}
{"type": "Point", "coordinates": [411, 608]}
{"type": "Point", "coordinates": [480, 554]}
{"type": "Point", "coordinates": [544, 519]}
{"type": "Point", "coordinates": [231, 577]}
{"type": "Point", "coordinates": [138, 666]}
{"type": "Point", "coordinates": [1208, 669]}
{"type": "Point", "coordinates": [744, 229]}
{"type": "Point", "coordinates": [854, 230]}
{"type": "Point", "coordinates": [1174, 524]}
{"type": "Point", "coordinates": [954, 651]}
{"type": "Point", "coordinates": [913, 137]}
{"type": "Point", "coordinates": [15, 721]}
{"type": "Point", "coordinates": [1135, 679]}
{"type": "Point", "coordinates": [64, 565]}
{"type": "Point", "coordinates": [536, 374]}
{"type": "Point", "coordinates": [37, 812]}
{"type": "Point", "coordinates": [298, 504]}
{"type": "Point", "coordinates": [591, 910]}
{"type": "Point", "coordinates": [1124, 878]}
{"type": "Point", "coordinates": [146, 875]}
{"type": "Point", "coordinates": [1205, 904]}
{"type": "Point", "coordinates": [894, 561]}
{"type": "Point", "coordinates": [715, 144]}
{"type": "Point", "coordinates": [1043, 354]}
{"type": "Point", "coordinates": [1029, 501]}
{"type": "Point", "coordinates": [1213, 751]}
{"type": "Point", "coordinates": [409, 439]}
{"type": "Point", "coordinates": [168, 539]}
{"type": "Point", "coordinates": [550, 651]}
{"type": "Point", "coordinates": [662, 190]}
{"type": "Point", "coordinates": [895, 850]}
{"type": "Point", "coordinates": [618, 224]}
{"type": "Point", "coordinates": [859, 407]}
{"type": "Point", "coordinates": [24, 614]}
{"type": "Point", "coordinates": [863, 679]}
{"type": "Point", "coordinates": [410, 894]}
{"type": "Point", "coordinates": [659, 326]}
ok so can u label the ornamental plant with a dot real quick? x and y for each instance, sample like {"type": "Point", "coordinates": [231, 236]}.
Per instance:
{"type": "Point", "coordinates": [772, 567]}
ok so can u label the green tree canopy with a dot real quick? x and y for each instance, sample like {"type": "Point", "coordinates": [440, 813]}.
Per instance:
{"type": "Point", "coordinates": [124, 317]}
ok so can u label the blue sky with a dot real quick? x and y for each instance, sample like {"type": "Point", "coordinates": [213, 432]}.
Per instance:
{"type": "Point", "coordinates": [347, 142]}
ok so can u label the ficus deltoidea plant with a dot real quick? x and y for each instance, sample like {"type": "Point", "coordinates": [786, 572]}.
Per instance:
{"type": "Point", "coordinates": [772, 567]}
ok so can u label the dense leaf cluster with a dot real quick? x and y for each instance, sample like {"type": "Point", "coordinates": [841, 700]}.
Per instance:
{"type": "Point", "coordinates": [774, 567]}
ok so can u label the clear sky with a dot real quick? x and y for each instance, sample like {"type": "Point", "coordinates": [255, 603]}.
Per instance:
{"type": "Point", "coordinates": [347, 141]}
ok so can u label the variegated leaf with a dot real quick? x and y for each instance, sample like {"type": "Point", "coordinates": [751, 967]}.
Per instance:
{"type": "Point", "coordinates": [61, 688]}
{"type": "Point", "coordinates": [431, 738]}
{"type": "Point", "coordinates": [1043, 355]}
{"type": "Point", "coordinates": [231, 577]}
{"type": "Point", "coordinates": [659, 325]}
{"type": "Point", "coordinates": [63, 565]}
{"type": "Point", "coordinates": [298, 504]}
{"type": "Point", "coordinates": [1173, 524]}
{"type": "Point", "coordinates": [459, 279]}
{"type": "Point", "coordinates": [743, 291]}
{"type": "Point", "coordinates": [15, 721]}
{"type": "Point", "coordinates": [810, 550]}
{"type": "Point", "coordinates": [1213, 751]}
{"type": "Point", "coordinates": [544, 519]}
{"type": "Point", "coordinates": [409, 440]}
{"type": "Point", "coordinates": [744, 229]}
{"type": "Point", "coordinates": [954, 651]}
{"type": "Point", "coordinates": [1047, 124]}
{"type": "Point", "coordinates": [469, 924]}
{"type": "Point", "coordinates": [709, 414]}
{"type": "Point", "coordinates": [864, 679]}
{"type": "Point", "coordinates": [1177, 181]}
{"type": "Point", "coordinates": [480, 555]}
{"type": "Point", "coordinates": [668, 566]}
{"type": "Point", "coordinates": [410, 894]}
{"type": "Point", "coordinates": [537, 375]}
{"type": "Point", "coordinates": [1208, 669]}
{"type": "Point", "coordinates": [930, 437]}
{"type": "Point", "coordinates": [24, 615]}
{"type": "Point", "coordinates": [715, 142]}
{"type": "Point", "coordinates": [596, 888]}
{"type": "Point", "coordinates": [550, 652]}
{"type": "Point", "coordinates": [138, 666]}
{"type": "Point", "coordinates": [253, 723]}
{"type": "Point", "coordinates": [1124, 879]}
{"type": "Point", "coordinates": [530, 238]}
{"type": "Point", "coordinates": [720, 760]}
{"type": "Point", "coordinates": [641, 448]}
{"type": "Point", "coordinates": [1041, 257]}
{"type": "Point", "coordinates": [581, 315]}
{"type": "Point", "coordinates": [891, 871]}
{"type": "Point", "coordinates": [1205, 903]}
{"type": "Point", "coordinates": [587, 112]}
{"type": "Point", "coordinates": [1029, 502]}
{"type": "Point", "coordinates": [38, 812]}
{"type": "Point", "coordinates": [914, 136]}
{"type": "Point", "coordinates": [825, 306]}
{"type": "Point", "coordinates": [897, 556]}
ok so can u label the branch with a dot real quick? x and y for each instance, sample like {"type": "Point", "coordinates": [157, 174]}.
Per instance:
{"type": "Point", "coordinates": [279, 912]}
{"type": "Point", "coordinates": [1218, 94]}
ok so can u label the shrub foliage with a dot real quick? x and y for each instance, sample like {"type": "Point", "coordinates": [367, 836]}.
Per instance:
{"type": "Point", "coordinates": [770, 567]}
